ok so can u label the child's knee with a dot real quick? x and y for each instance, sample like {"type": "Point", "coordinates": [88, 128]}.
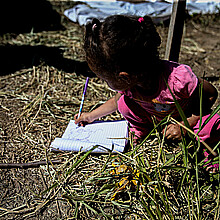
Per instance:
{"type": "Point", "coordinates": [211, 131]}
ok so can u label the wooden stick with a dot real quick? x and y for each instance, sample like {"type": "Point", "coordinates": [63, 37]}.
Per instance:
{"type": "Point", "coordinates": [175, 30]}
{"type": "Point", "coordinates": [27, 165]}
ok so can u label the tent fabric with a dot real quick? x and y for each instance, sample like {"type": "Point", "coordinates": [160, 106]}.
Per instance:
{"type": "Point", "coordinates": [83, 13]}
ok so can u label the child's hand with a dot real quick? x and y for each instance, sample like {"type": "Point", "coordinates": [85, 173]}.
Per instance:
{"type": "Point", "coordinates": [84, 119]}
{"type": "Point", "coordinates": [173, 132]}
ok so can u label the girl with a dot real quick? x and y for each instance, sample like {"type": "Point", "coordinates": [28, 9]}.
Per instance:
{"type": "Point", "coordinates": [123, 51]}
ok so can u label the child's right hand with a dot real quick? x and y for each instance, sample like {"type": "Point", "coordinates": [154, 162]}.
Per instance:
{"type": "Point", "coordinates": [84, 119]}
{"type": "Point", "coordinates": [105, 109]}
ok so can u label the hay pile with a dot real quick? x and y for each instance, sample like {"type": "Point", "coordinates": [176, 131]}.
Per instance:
{"type": "Point", "coordinates": [37, 100]}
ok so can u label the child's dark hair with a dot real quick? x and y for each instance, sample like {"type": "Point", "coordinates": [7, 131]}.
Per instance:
{"type": "Point", "coordinates": [122, 44]}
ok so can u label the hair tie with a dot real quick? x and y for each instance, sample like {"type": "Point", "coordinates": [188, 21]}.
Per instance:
{"type": "Point", "coordinates": [140, 19]}
{"type": "Point", "coordinates": [94, 26]}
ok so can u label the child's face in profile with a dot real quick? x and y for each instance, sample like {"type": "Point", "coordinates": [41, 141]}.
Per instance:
{"type": "Point", "coordinates": [115, 83]}
{"type": "Point", "coordinates": [118, 83]}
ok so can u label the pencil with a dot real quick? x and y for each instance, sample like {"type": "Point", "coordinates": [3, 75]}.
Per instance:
{"type": "Point", "coordinates": [83, 97]}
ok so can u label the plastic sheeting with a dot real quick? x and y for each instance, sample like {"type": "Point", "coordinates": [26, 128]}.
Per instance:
{"type": "Point", "coordinates": [82, 13]}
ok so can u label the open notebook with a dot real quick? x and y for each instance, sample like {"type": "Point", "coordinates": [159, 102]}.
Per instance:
{"type": "Point", "coordinates": [111, 135]}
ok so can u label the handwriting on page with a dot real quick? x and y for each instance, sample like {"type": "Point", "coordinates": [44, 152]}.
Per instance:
{"type": "Point", "coordinates": [92, 133]}
{"type": "Point", "coordinates": [97, 132]}
{"type": "Point", "coordinates": [82, 134]}
{"type": "Point", "coordinates": [106, 134]}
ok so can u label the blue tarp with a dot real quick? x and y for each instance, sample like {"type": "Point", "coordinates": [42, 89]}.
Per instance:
{"type": "Point", "coordinates": [82, 13]}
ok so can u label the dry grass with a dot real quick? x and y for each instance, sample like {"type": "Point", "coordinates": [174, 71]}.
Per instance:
{"type": "Point", "coordinates": [36, 103]}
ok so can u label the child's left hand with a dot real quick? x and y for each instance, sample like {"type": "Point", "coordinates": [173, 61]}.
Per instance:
{"type": "Point", "coordinates": [172, 132]}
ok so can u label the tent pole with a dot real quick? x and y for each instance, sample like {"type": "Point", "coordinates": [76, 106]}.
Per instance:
{"type": "Point", "coordinates": [175, 30]}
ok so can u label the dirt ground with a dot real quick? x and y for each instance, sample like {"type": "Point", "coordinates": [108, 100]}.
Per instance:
{"type": "Point", "coordinates": [42, 76]}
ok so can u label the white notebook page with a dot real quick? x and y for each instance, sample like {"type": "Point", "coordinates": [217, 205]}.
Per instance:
{"type": "Point", "coordinates": [106, 134]}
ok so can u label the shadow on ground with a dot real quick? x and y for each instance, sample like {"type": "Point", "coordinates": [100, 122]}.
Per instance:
{"type": "Point", "coordinates": [24, 16]}
{"type": "Point", "coordinates": [13, 58]}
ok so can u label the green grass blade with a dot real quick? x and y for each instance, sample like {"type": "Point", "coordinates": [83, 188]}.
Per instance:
{"type": "Point", "coordinates": [181, 182]}
{"type": "Point", "coordinates": [89, 207]}
{"type": "Point", "coordinates": [78, 162]}
{"type": "Point", "coordinates": [149, 212]}
{"type": "Point", "coordinates": [180, 110]}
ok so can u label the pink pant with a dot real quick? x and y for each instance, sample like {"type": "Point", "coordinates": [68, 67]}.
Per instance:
{"type": "Point", "coordinates": [142, 124]}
